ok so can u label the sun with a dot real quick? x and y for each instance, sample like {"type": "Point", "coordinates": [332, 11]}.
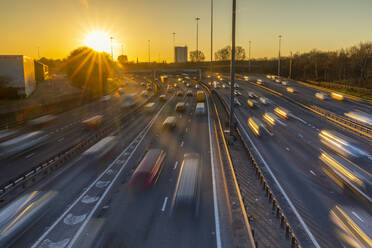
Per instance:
{"type": "Point", "coordinates": [98, 41]}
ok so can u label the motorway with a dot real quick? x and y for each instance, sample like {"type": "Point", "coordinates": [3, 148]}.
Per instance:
{"type": "Point", "coordinates": [289, 154]}
{"type": "Point", "coordinates": [88, 201]}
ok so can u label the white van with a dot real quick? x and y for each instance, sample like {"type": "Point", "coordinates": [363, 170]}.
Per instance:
{"type": "Point", "coordinates": [200, 108]}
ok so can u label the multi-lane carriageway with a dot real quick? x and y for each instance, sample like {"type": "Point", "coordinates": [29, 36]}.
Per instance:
{"type": "Point", "coordinates": [289, 152]}
{"type": "Point", "coordinates": [86, 201]}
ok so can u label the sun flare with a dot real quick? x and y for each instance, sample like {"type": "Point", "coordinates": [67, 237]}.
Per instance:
{"type": "Point", "coordinates": [98, 41]}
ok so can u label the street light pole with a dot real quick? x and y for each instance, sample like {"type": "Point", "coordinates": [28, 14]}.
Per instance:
{"type": "Point", "coordinates": [174, 48]}
{"type": "Point", "coordinates": [112, 51]}
{"type": "Point", "coordinates": [149, 50]}
{"type": "Point", "coordinates": [249, 55]}
{"type": "Point", "coordinates": [232, 73]}
{"type": "Point", "coordinates": [280, 39]}
{"type": "Point", "coordinates": [211, 69]}
{"type": "Point", "coordinates": [290, 66]}
{"type": "Point", "coordinates": [197, 38]}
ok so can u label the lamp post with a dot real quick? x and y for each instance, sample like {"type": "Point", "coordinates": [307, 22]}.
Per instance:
{"type": "Point", "coordinates": [197, 38]}
{"type": "Point", "coordinates": [112, 51]}
{"type": "Point", "coordinates": [149, 49]}
{"type": "Point", "coordinates": [280, 40]}
{"type": "Point", "coordinates": [211, 69]}
{"type": "Point", "coordinates": [232, 72]}
{"type": "Point", "coordinates": [249, 56]}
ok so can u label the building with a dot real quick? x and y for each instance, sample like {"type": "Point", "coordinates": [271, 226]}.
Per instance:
{"type": "Point", "coordinates": [180, 54]}
{"type": "Point", "coordinates": [41, 72]}
{"type": "Point", "coordinates": [17, 72]}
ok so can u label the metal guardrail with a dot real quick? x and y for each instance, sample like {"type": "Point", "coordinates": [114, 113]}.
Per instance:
{"type": "Point", "coordinates": [268, 192]}
{"type": "Point", "coordinates": [351, 123]}
{"type": "Point", "coordinates": [356, 127]}
{"type": "Point", "coordinates": [52, 163]}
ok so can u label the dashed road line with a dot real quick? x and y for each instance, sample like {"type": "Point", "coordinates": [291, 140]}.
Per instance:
{"type": "Point", "coordinates": [164, 204]}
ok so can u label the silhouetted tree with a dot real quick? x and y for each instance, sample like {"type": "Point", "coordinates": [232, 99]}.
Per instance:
{"type": "Point", "coordinates": [123, 59]}
{"type": "Point", "coordinates": [89, 70]}
{"type": "Point", "coordinates": [225, 53]}
{"type": "Point", "coordinates": [193, 57]}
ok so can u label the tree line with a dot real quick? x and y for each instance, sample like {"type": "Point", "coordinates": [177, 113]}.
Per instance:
{"type": "Point", "coordinates": [350, 66]}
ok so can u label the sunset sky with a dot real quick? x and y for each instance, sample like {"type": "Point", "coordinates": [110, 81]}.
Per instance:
{"type": "Point", "coordinates": [59, 26]}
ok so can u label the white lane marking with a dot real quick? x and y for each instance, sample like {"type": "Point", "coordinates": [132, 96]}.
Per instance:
{"type": "Point", "coordinates": [164, 204]}
{"type": "Point", "coordinates": [102, 184]}
{"type": "Point", "coordinates": [142, 134]}
{"type": "Point", "coordinates": [215, 204]}
{"type": "Point", "coordinates": [300, 135]}
{"type": "Point", "coordinates": [175, 165]}
{"type": "Point", "coordinates": [357, 216]}
{"type": "Point", "coordinates": [287, 148]}
{"type": "Point", "coordinates": [30, 155]}
{"type": "Point", "coordinates": [71, 219]}
{"type": "Point", "coordinates": [61, 139]}
{"type": "Point", "coordinates": [59, 244]}
{"type": "Point", "coordinates": [302, 222]}
{"type": "Point", "coordinates": [182, 143]}
{"type": "Point", "coordinates": [89, 199]}
{"type": "Point", "coordinates": [312, 172]}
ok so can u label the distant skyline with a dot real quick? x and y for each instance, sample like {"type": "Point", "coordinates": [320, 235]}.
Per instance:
{"type": "Point", "coordinates": [57, 27]}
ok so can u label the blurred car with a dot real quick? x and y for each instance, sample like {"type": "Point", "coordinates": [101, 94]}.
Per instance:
{"type": "Point", "coordinates": [269, 118]}
{"type": "Point", "coordinates": [43, 120]}
{"type": "Point", "coordinates": [281, 112]}
{"type": "Point", "coordinates": [340, 144]}
{"type": "Point", "coordinates": [169, 122]}
{"type": "Point", "coordinates": [321, 95]}
{"type": "Point", "coordinates": [149, 169]}
{"type": "Point", "coordinates": [180, 107]}
{"type": "Point", "coordinates": [169, 89]}
{"type": "Point", "coordinates": [252, 103]}
{"type": "Point", "coordinates": [188, 182]}
{"type": "Point", "coordinates": [101, 148]}
{"type": "Point", "coordinates": [246, 78]}
{"type": "Point", "coordinates": [150, 107]}
{"type": "Point", "coordinates": [120, 91]}
{"type": "Point", "coordinates": [22, 143]}
{"type": "Point", "coordinates": [264, 100]}
{"type": "Point", "coordinates": [252, 94]}
{"type": "Point", "coordinates": [255, 125]}
{"type": "Point", "coordinates": [189, 93]}
{"type": "Point", "coordinates": [93, 122]}
{"type": "Point", "coordinates": [360, 117]}
{"type": "Point", "coordinates": [237, 93]}
{"type": "Point", "coordinates": [180, 93]}
{"type": "Point", "coordinates": [337, 96]}
{"type": "Point", "coordinates": [291, 90]}
{"type": "Point", "coordinates": [187, 85]}
{"type": "Point", "coordinates": [196, 86]}
{"type": "Point", "coordinates": [144, 93]}
{"type": "Point", "coordinates": [143, 84]}
{"type": "Point", "coordinates": [200, 108]}
{"type": "Point", "coordinates": [284, 83]}
{"type": "Point", "coordinates": [163, 98]}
